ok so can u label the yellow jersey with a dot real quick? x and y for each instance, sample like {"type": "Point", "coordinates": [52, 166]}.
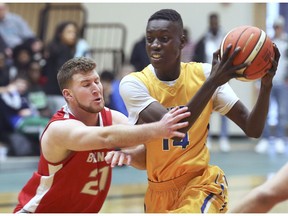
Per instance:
{"type": "Point", "coordinates": [168, 159]}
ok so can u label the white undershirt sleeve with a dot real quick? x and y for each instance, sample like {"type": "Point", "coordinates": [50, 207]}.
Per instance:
{"type": "Point", "coordinates": [135, 96]}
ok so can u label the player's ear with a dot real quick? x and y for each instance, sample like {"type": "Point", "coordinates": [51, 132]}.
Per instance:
{"type": "Point", "coordinates": [183, 41]}
{"type": "Point", "coordinates": [67, 94]}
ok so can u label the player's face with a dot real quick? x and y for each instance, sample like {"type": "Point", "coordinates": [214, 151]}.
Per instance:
{"type": "Point", "coordinates": [214, 26]}
{"type": "Point", "coordinates": [164, 41]}
{"type": "Point", "coordinates": [87, 92]}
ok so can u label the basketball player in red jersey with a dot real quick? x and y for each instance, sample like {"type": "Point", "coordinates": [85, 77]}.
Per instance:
{"type": "Point", "coordinates": [72, 175]}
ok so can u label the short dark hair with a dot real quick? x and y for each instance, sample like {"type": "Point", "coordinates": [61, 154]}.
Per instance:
{"type": "Point", "coordinates": [74, 66]}
{"type": "Point", "coordinates": [167, 14]}
{"type": "Point", "coordinates": [107, 76]}
{"type": "Point", "coordinates": [213, 16]}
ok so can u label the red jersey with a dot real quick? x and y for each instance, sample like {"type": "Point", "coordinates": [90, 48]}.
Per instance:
{"type": "Point", "coordinates": [79, 184]}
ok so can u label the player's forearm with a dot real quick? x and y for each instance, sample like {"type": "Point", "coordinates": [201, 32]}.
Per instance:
{"type": "Point", "coordinates": [115, 136]}
{"type": "Point", "coordinates": [258, 115]}
{"type": "Point", "coordinates": [199, 101]}
{"type": "Point", "coordinates": [253, 203]}
{"type": "Point", "coordinates": [122, 136]}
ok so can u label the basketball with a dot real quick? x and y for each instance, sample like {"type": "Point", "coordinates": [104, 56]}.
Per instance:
{"type": "Point", "coordinates": [256, 48]}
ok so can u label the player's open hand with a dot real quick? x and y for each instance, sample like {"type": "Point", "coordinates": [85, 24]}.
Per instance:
{"type": "Point", "coordinates": [171, 122]}
{"type": "Point", "coordinates": [223, 69]}
{"type": "Point", "coordinates": [117, 158]}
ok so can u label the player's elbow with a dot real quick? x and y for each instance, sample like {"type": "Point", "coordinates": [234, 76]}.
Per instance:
{"type": "Point", "coordinates": [253, 133]}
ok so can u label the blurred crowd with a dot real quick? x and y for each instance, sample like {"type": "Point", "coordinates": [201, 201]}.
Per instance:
{"type": "Point", "coordinates": [29, 92]}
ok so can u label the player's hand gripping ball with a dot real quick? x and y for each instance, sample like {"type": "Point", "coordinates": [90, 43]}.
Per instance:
{"type": "Point", "coordinates": [256, 48]}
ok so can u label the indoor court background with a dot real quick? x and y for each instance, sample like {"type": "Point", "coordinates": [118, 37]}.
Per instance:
{"type": "Point", "coordinates": [244, 170]}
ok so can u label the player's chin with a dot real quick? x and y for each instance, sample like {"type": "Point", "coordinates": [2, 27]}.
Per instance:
{"type": "Point", "coordinates": [101, 106]}
{"type": "Point", "coordinates": [97, 107]}
{"type": "Point", "coordinates": [157, 61]}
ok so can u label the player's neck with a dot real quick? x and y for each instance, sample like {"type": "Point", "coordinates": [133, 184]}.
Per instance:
{"type": "Point", "coordinates": [88, 118]}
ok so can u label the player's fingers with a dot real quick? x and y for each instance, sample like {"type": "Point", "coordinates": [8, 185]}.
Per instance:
{"type": "Point", "coordinates": [173, 110]}
{"type": "Point", "coordinates": [173, 131]}
{"type": "Point", "coordinates": [234, 54]}
{"type": "Point", "coordinates": [121, 159]}
{"type": "Point", "coordinates": [178, 134]}
{"type": "Point", "coordinates": [128, 160]}
{"type": "Point", "coordinates": [274, 62]}
{"type": "Point", "coordinates": [178, 111]}
{"type": "Point", "coordinates": [181, 116]}
{"type": "Point", "coordinates": [277, 53]}
{"type": "Point", "coordinates": [241, 66]}
{"type": "Point", "coordinates": [115, 159]}
{"type": "Point", "coordinates": [109, 156]}
{"type": "Point", "coordinates": [180, 125]}
{"type": "Point", "coordinates": [226, 53]}
{"type": "Point", "coordinates": [216, 54]}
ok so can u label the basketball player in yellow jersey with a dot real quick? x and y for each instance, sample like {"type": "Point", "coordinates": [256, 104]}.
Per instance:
{"type": "Point", "coordinates": [179, 175]}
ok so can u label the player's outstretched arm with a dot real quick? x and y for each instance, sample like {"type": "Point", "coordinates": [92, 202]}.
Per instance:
{"type": "Point", "coordinates": [264, 197]}
{"type": "Point", "coordinates": [74, 135]}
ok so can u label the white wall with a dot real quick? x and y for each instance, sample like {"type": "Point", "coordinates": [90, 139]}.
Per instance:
{"type": "Point", "coordinates": [195, 16]}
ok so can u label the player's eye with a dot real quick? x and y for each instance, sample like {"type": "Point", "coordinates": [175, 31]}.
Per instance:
{"type": "Point", "coordinates": [149, 40]}
{"type": "Point", "coordinates": [164, 39]}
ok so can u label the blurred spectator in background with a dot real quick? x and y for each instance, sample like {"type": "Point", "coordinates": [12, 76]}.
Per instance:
{"type": "Point", "coordinates": [204, 50]}
{"type": "Point", "coordinates": [139, 58]}
{"type": "Point", "coordinates": [22, 118]}
{"type": "Point", "coordinates": [36, 46]}
{"type": "Point", "coordinates": [65, 45]}
{"type": "Point", "coordinates": [4, 73]}
{"type": "Point", "coordinates": [22, 56]}
{"type": "Point", "coordinates": [13, 29]}
{"type": "Point", "coordinates": [10, 103]}
{"type": "Point", "coordinates": [210, 41]}
{"type": "Point", "coordinates": [15, 101]}
{"type": "Point", "coordinates": [187, 52]}
{"type": "Point", "coordinates": [117, 102]}
{"type": "Point", "coordinates": [4, 87]}
{"type": "Point", "coordinates": [278, 101]}
{"type": "Point", "coordinates": [107, 78]}
{"type": "Point", "coordinates": [110, 83]}
{"type": "Point", "coordinates": [35, 92]}
{"type": "Point", "coordinates": [3, 45]}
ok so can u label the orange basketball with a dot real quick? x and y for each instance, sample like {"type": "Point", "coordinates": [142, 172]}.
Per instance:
{"type": "Point", "coordinates": [256, 47]}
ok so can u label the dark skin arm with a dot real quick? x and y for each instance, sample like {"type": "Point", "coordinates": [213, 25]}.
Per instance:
{"type": "Point", "coordinates": [252, 123]}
